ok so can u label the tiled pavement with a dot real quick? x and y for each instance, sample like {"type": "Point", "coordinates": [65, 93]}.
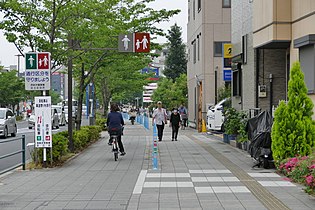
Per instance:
{"type": "Point", "coordinates": [197, 172]}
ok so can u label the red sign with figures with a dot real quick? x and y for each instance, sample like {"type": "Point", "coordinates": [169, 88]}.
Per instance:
{"type": "Point", "coordinates": [43, 61]}
{"type": "Point", "coordinates": [142, 42]}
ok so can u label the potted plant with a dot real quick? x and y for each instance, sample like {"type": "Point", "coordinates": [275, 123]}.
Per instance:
{"type": "Point", "coordinates": [242, 138]}
{"type": "Point", "coordinates": [231, 124]}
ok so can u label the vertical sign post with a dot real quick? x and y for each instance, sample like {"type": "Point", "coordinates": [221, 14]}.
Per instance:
{"type": "Point", "coordinates": [43, 137]}
{"type": "Point", "coordinates": [227, 57]}
{"type": "Point", "coordinates": [37, 77]}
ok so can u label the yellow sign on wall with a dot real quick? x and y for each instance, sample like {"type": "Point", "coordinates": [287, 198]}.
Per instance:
{"type": "Point", "coordinates": [227, 50]}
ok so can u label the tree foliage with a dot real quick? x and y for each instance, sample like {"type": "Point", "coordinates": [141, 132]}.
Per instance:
{"type": "Point", "coordinates": [11, 89]}
{"type": "Point", "coordinates": [293, 132]}
{"type": "Point", "coordinates": [176, 61]}
{"type": "Point", "coordinates": [172, 94]}
{"type": "Point", "coordinates": [70, 28]}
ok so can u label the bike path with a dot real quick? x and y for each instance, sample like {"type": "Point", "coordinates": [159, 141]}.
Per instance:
{"type": "Point", "coordinates": [196, 172]}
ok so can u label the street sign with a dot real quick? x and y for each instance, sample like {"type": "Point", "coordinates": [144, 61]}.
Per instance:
{"type": "Point", "coordinates": [37, 71]}
{"type": "Point", "coordinates": [125, 43]}
{"type": "Point", "coordinates": [43, 137]}
{"type": "Point", "coordinates": [227, 50]}
{"type": "Point", "coordinates": [227, 75]}
{"type": "Point", "coordinates": [142, 42]}
{"type": "Point", "coordinates": [135, 42]}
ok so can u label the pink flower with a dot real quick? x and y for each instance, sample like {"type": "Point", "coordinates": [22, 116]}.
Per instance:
{"type": "Point", "coordinates": [287, 179]}
{"type": "Point", "coordinates": [312, 167]}
{"type": "Point", "coordinates": [309, 180]}
{"type": "Point", "coordinates": [304, 157]}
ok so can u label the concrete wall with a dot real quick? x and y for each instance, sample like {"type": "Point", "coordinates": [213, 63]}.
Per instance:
{"type": "Point", "coordinates": [272, 61]}
{"type": "Point", "coordinates": [242, 25]}
{"type": "Point", "coordinates": [211, 23]}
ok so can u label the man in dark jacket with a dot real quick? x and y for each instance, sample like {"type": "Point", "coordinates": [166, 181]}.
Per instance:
{"type": "Point", "coordinates": [115, 124]}
{"type": "Point", "coordinates": [175, 122]}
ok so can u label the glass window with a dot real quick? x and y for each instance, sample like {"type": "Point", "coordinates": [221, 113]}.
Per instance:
{"type": "Point", "coordinates": [194, 10]}
{"type": "Point", "coordinates": [2, 114]}
{"type": "Point", "coordinates": [217, 48]}
{"type": "Point", "coordinates": [194, 53]}
{"type": "Point", "coordinates": [226, 3]}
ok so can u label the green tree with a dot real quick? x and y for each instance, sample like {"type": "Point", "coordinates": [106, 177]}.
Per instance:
{"type": "Point", "coordinates": [172, 94]}
{"type": "Point", "coordinates": [176, 61]}
{"type": "Point", "coordinates": [293, 132]}
{"type": "Point", "coordinates": [55, 97]}
{"type": "Point", "coordinates": [11, 89]}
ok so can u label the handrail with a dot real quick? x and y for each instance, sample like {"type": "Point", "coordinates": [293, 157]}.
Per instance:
{"type": "Point", "coordinates": [14, 153]}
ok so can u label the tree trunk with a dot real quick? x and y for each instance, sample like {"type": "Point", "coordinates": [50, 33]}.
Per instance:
{"type": "Point", "coordinates": [80, 99]}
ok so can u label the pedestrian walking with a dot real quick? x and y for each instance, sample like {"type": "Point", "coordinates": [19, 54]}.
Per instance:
{"type": "Point", "coordinates": [160, 119]}
{"type": "Point", "coordinates": [175, 122]}
{"type": "Point", "coordinates": [183, 115]}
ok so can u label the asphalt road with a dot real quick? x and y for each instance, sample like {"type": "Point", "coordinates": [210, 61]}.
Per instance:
{"type": "Point", "coordinates": [10, 147]}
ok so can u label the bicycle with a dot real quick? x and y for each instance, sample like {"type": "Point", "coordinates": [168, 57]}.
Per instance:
{"type": "Point", "coordinates": [114, 135]}
{"type": "Point", "coordinates": [114, 138]}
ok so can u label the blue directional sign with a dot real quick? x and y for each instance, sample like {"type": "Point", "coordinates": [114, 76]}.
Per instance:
{"type": "Point", "coordinates": [227, 75]}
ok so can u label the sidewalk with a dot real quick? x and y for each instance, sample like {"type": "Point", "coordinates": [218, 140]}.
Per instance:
{"type": "Point", "coordinates": [196, 172]}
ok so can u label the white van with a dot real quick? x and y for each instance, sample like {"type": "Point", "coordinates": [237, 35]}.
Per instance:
{"type": "Point", "coordinates": [215, 116]}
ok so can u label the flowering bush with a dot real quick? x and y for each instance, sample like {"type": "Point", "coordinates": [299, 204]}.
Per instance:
{"type": "Point", "coordinates": [300, 170]}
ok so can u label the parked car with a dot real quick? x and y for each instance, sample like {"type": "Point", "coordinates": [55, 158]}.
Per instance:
{"type": "Point", "coordinates": [54, 118]}
{"type": "Point", "coordinates": [61, 114]}
{"type": "Point", "coordinates": [215, 116]}
{"type": "Point", "coordinates": [7, 122]}
{"type": "Point", "coordinates": [31, 121]}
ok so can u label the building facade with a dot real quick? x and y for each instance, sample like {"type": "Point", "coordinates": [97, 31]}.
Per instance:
{"type": "Point", "coordinates": [268, 36]}
{"type": "Point", "coordinates": [209, 26]}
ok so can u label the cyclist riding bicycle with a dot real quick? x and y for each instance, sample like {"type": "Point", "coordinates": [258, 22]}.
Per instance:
{"type": "Point", "coordinates": [115, 124]}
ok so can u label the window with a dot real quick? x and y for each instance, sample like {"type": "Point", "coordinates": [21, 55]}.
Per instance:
{"type": "Point", "coordinates": [217, 49]}
{"type": "Point", "coordinates": [194, 10]}
{"type": "Point", "coordinates": [198, 39]}
{"type": "Point", "coordinates": [226, 3]}
{"type": "Point", "coordinates": [199, 5]}
{"type": "Point", "coordinates": [194, 51]}
{"type": "Point", "coordinates": [189, 10]}
{"type": "Point", "coordinates": [244, 48]}
{"type": "Point", "coordinates": [237, 81]}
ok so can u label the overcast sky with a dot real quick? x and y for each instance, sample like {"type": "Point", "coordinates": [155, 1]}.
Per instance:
{"type": "Point", "coordinates": [8, 51]}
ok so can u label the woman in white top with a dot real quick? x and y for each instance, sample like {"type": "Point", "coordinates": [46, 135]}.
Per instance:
{"type": "Point", "coordinates": [160, 119]}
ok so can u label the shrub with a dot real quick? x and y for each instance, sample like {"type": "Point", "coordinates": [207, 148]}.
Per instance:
{"type": "Point", "coordinates": [80, 139]}
{"type": "Point", "coordinates": [19, 118]}
{"type": "Point", "coordinates": [235, 123]}
{"type": "Point", "coordinates": [293, 132]}
{"type": "Point", "coordinates": [94, 132]}
{"type": "Point", "coordinates": [102, 123]}
{"type": "Point", "coordinates": [59, 149]}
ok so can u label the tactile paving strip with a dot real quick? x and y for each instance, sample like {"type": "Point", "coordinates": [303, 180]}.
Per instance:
{"type": "Point", "coordinates": [263, 195]}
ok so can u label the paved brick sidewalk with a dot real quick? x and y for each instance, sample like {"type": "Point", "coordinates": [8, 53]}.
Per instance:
{"type": "Point", "coordinates": [197, 172]}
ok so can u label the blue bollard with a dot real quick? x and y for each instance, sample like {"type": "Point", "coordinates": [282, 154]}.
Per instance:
{"type": "Point", "coordinates": [155, 149]}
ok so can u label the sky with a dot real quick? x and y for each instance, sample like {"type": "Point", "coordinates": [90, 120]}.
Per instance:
{"type": "Point", "coordinates": [8, 50]}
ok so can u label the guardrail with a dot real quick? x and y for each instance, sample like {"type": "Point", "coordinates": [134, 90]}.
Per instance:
{"type": "Point", "coordinates": [14, 153]}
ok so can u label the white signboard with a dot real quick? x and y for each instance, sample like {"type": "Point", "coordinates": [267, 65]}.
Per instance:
{"type": "Point", "coordinates": [43, 137]}
{"type": "Point", "coordinates": [37, 71]}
